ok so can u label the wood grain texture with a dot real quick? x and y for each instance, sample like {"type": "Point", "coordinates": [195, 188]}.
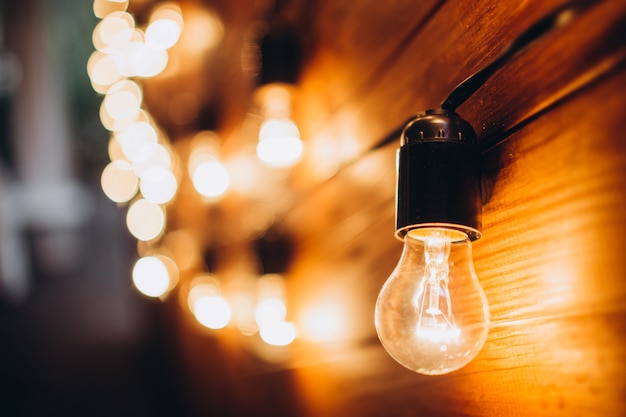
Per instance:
{"type": "Point", "coordinates": [550, 260]}
{"type": "Point", "coordinates": [552, 266]}
{"type": "Point", "coordinates": [458, 39]}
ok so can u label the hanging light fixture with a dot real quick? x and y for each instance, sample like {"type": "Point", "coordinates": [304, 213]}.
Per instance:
{"type": "Point", "coordinates": [431, 314]}
{"type": "Point", "coordinates": [279, 142]}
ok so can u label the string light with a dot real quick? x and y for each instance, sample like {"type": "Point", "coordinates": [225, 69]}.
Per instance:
{"type": "Point", "coordinates": [155, 275]}
{"type": "Point", "coordinates": [209, 176]}
{"type": "Point", "coordinates": [206, 302]}
{"type": "Point", "coordinates": [145, 220]}
{"type": "Point", "coordinates": [279, 138]}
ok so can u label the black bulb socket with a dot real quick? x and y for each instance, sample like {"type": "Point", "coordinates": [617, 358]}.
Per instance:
{"type": "Point", "coordinates": [439, 175]}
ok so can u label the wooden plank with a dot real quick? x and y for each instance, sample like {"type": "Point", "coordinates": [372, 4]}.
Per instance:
{"type": "Point", "coordinates": [350, 43]}
{"type": "Point", "coordinates": [552, 267]}
{"type": "Point", "coordinates": [557, 200]}
{"type": "Point", "coordinates": [458, 40]}
{"type": "Point", "coordinates": [552, 367]}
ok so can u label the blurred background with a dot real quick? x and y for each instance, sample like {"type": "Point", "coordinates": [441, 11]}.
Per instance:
{"type": "Point", "coordinates": [77, 339]}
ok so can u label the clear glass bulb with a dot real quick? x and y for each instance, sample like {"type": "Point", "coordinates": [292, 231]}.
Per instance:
{"type": "Point", "coordinates": [432, 314]}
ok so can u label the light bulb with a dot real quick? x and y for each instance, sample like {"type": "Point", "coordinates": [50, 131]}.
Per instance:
{"type": "Point", "coordinates": [431, 314]}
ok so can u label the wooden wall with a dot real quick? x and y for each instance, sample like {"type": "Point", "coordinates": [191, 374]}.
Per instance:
{"type": "Point", "coordinates": [551, 259]}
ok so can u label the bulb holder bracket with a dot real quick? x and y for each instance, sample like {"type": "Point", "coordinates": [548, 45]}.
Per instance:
{"type": "Point", "coordinates": [439, 175]}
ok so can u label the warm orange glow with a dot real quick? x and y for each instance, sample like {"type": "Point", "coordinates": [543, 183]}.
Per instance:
{"type": "Point", "coordinates": [241, 295]}
{"type": "Point", "coordinates": [145, 220]}
{"type": "Point", "coordinates": [323, 323]}
{"type": "Point", "coordinates": [119, 181]}
{"type": "Point", "coordinates": [270, 311]}
{"type": "Point", "coordinates": [204, 147]}
{"type": "Point", "coordinates": [102, 8]}
{"type": "Point", "coordinates": [247, 174]}
{"type": "Point", "coordinates": [327, 153]}
{"type": "Point", "coordinates": [271, 299]}
{"type": "Point", "coordinates": [183, 247]}
{"type": "Point", "coordinates": [203, 31]}
{"type": "Point", "coordinates": [274, 100]}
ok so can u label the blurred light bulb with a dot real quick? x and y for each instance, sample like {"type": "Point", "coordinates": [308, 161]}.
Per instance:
{"type": "Point", "coordinates": [113, 31]}
{"type": "Point", "coordinates": [145, 220]}
{"type": "Point", "coordinates": [271, 310]}
{"type": "Point", "coordinates": [136, 141]}
{"type": "Point", "coordinates": [208, 175]}
{"type": "Point", "coordinates": [324, 323]}
{"type": "Point", "coordinates": [119, 181]}
{"type": "Point", "coordinates": [206, 302]}
{"type": "Point", "coordinates": [102, 8]}
{"type": "Point", "coordinates": [279, 333]}
{"type": "Point", "coordinates": [123, 100]}
{"type": "Point", "coordinates": [158, 185]}
{"type": "Point", "coordinates": [165, 28]}
{"type": "Point", "coordinates": [210, 179]}
{"type": "Point", "coordinates": [279, 143]}
{"type": "Point", "coordinates": [432, 314]}
{"type": "Point", "coordinates": [212, 311]}
{"type": "Point", "coordinates": [102, 71]}
{"type": "Point", "coordinates": [154, 275]}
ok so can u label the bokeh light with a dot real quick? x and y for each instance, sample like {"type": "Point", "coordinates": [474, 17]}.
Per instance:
{"type": "Point", "coordinates": [123, 100]}
{"type": "Point", "coordinates": [210, 179]}
{"type": "Point", "coordinates": [270, 311]}
{"type": "Point", "coordinates": [115, 30]}
{"type": "Point", "coordinates": [153, 276]}
{"type": "Point", "coordinates": [102, 8]}
{"type": "Point", "coordinates": [158, 185]}
{"type": "Point", "coordinates": [102, 71]}
{"type": "Point", "coordinates": [278, 334]}
{"type": "Point", "coordinates": [323, 323]}
{"type": "Point", "coordinates": [212, 311]}
{"type": "Point", "coordinates": [279, 143]}
{"type": "Point", "coordinates": [119, 181]}
{"type": "Point", "coordinates": [206, 302]}
{"type": "Point", "coordinates": [165, 27]}
{"type": "Point", "coordinates": [145, 220]}
{"type": "Point", "coordinates": [153, 155]}
{"type": "Point", "coordinates": [136, 140]}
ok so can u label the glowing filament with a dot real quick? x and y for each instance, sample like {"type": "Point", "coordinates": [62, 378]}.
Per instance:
{"type": "Point", "coordinates": [435, 320]}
